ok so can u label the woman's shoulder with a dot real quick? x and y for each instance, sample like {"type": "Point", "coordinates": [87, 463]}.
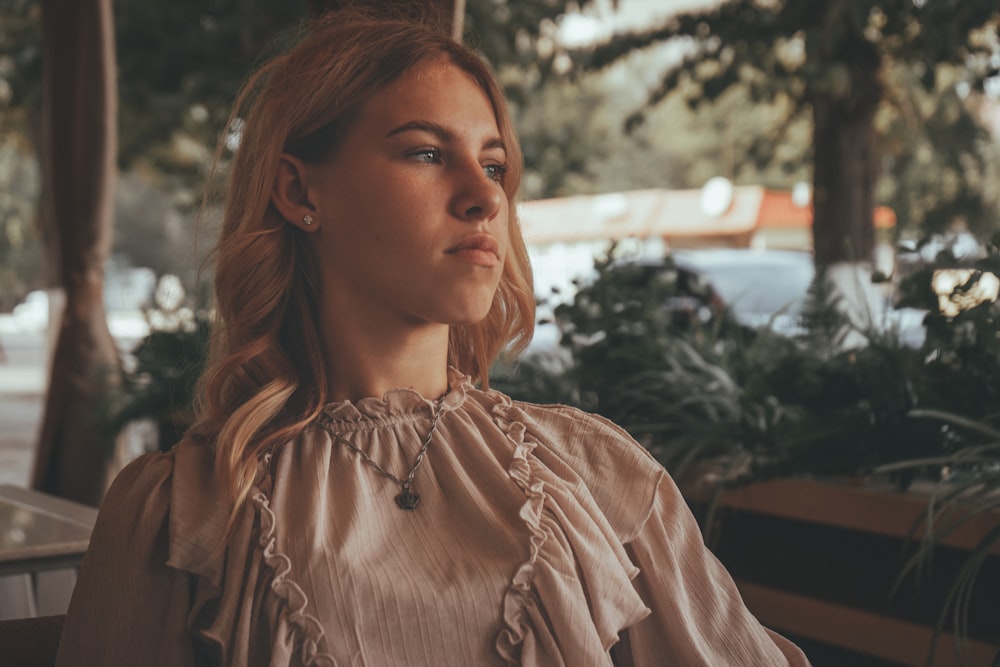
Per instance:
{"type": "Point", "coordinates": [575, 421]}
{"type": "Point", "coordinates": [129, 603]}
{"type": "Point", "coordinates": [145, 480]}
{"type": "Point", "coordinates": [149, 478]}
{"type": "Point", "coordinates": [126, 539]}
{"type": "Point", "coordinates": [619, 472]}
{"type": "Point", "coordinates": [586, 435]}
{"type": "Point", "coordinates": [170, 490]}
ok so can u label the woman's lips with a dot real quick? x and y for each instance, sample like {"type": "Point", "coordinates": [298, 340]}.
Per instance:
{"type": "Point", "coordinates": [481, 249]}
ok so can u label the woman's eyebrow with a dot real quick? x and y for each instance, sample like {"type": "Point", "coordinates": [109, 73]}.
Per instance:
{"type": "Point", "coordinates": [495, 142]}
{"type": "Point", "coordinates": [442, 133]}
{"type": "Point", "coordinates": [439, 131]}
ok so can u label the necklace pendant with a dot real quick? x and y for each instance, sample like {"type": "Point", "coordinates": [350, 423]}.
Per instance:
{"type": "Point", "coordinates": [408, 500]}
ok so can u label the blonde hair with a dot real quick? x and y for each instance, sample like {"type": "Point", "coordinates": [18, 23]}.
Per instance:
{"type": "Point", "coordinates": [266, 380]}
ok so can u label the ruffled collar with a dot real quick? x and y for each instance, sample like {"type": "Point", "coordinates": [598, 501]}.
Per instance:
{"type": "Point", "coordinates": [400, 403]}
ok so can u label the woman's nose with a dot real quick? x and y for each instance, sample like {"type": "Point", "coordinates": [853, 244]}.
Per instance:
{"type": "Point", "coordinates": [478, 197]}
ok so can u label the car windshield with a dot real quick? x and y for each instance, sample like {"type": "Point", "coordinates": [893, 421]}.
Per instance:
{"type": "Point", "coordinates": [761, 289]}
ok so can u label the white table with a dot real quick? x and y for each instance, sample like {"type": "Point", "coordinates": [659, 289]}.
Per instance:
{"type": "Point", "coordinates": [39, 532]}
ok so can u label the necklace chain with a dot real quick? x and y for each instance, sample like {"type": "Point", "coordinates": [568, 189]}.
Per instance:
{"type": "Point", "coordinates": [407, 499]}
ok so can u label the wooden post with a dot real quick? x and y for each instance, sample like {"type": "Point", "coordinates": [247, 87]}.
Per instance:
{"type": "Point", "coordinates": [79, 158]}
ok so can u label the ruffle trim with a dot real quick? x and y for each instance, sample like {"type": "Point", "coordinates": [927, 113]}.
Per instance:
{"type": "Point", "coordinates": [307, 626]}
{"type": "Point", "coordinates": [523, 603]}
{"type": "Point", "coordinates": [398, 404]}
{"type": "Point", "coordinates": [519, 595]}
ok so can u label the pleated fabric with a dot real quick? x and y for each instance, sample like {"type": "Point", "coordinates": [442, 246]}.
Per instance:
{"type": "Point", "coordinates": [544, 537]}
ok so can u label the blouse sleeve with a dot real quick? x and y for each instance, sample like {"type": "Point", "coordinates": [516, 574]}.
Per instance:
{"type": "Point", "coordinates": [699, 618]}
{"type": "Point", "coordinates": [128, 607]}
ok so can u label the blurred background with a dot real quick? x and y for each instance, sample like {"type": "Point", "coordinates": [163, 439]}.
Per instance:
{"type": "Point", "coordinates": [764, 234]}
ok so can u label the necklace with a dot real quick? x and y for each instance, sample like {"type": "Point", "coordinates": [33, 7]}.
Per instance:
{"type": "Point", "coordinates": [408, 499]}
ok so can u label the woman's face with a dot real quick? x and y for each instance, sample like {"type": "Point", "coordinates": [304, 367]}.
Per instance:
{"type": "Point", "coordinates": [413, 219]}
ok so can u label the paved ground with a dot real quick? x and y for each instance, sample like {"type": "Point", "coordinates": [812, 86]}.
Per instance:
{"type": "Point", "coordinates": [22, 389]}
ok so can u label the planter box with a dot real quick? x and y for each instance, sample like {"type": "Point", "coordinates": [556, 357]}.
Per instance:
{"type": "Point", "coordinates": [819, 560]}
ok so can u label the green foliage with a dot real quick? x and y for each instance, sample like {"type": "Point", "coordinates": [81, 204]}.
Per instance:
{"type": "Point", "coordinates": [797, 48]}
{"type": "Point", "coordinates": [825, 325]}
{"type": "Point", "coordinates": [161, 377]}
{"type": "Point", "coordinates": [21, 266]}
{"type": "Point", "coordinates": [517, 33]}
{"type": "Point", "coordinates": [971, 485]}
{"type": "Point", "coordinates": [960, 369]}
{"type": "Point", "coordinates": [566, 132]}
{"type": "Point", "coordinates": [660, 372]}
{"type": "Point", "coordinates": [181, 63]}
{"type": "Point", "coordinates": [694, 389]}
{"type": "Point", "coordinates": [20, 247]}
{"type": "Point", "coordinates": [943, 165]}
{"type": "Point", "coordinates": [966, 346]}
{"type": "Point", "coordinates": [839, 61]}
{"type": "Point", "coordinates": [20, 65]}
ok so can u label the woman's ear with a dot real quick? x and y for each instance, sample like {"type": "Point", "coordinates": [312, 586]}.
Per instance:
{"type": "Point", "coordinates": [290, 195]}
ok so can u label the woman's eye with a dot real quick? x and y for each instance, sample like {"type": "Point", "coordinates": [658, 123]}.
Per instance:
{"type": "Point", "coordinates": [495, 172]}
{"type": "Point", "coordinates": [427, 155]}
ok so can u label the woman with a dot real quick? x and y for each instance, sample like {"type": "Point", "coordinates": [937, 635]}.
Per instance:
{"type": "Point", "coordinates": [349, 495]}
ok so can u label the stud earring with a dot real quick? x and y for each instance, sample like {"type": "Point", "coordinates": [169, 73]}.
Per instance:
{"type": "Point", "coordinates": [307, 219]}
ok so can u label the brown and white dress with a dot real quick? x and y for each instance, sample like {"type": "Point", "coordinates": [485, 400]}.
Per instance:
{"type": "Point", "coordinates": [545, 537]}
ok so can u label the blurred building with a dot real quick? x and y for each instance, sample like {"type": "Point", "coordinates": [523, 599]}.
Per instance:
{"type": "Point", "coordinates": [566, 234]}
{"type": "Point", "coordinates": [749, 216]}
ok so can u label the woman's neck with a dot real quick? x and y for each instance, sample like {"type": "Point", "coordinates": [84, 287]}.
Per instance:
{"type": "Point", "coordinates": [369, 363]}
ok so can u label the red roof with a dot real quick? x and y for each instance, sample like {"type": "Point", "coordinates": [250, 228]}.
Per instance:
{"type": "Point", "coordinates": [778, 210]}
{"type": "Point", "coordinates": [669, 214]}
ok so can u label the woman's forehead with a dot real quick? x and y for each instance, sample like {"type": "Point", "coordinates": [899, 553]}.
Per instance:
{"type": "Point", "coordinates": [437, 91]}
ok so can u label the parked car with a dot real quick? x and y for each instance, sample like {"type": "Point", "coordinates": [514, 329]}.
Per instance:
{"type": "Point", "coordinates": [761, 288]}
{"type": "Point", "coordinates": [769, 288]}
{"type": "Point", "coordinates": [753, 288]}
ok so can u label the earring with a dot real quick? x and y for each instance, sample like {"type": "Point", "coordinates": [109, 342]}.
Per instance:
{"type": "Point", "coordinates": [307, 219]}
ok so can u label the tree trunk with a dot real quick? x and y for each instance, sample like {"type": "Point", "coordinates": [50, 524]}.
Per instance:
{"type": "Point", "coordinates": [844, 172]}
{"type": "Point", "coordinates": [79, 164]}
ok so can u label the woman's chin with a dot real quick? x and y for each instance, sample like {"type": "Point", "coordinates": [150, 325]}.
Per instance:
{"type": "Point", "coordinates": [469, 316]}
{"type": "Point", "coordinates": [469, 321]}
{"type": "Point", "coordinates": [471, 310]}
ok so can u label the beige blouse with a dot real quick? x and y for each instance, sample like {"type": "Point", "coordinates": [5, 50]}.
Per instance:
{"type": "Point", "coordinates": [545, 537]}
